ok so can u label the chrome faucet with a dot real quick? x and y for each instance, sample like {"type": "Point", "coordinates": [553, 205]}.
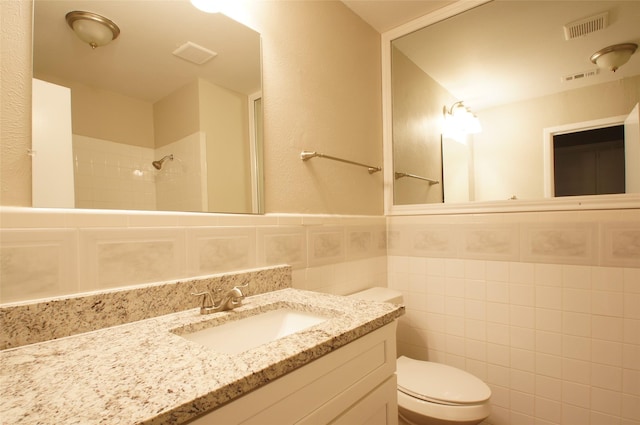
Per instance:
{"type": "Point", "coordinates": [229, 300]}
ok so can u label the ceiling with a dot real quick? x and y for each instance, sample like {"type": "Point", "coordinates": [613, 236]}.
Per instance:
{"type": "Point", "coordinates": [384, 15]}
{"type": "Point", "coordinates": [506, 50]}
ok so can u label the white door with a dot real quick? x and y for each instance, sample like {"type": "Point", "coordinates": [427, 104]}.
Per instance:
{"type": "Point", "coordinates": [51, 145]}
{"type": "Point", "coordinates": [632, 151]}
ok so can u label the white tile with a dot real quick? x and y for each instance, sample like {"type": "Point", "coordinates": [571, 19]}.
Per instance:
{"type": "Point", "coordinates": [630, 407]}
{"type": "Point", "coordinates": [621, 244]}
{"type": "Point", "coordinates": [497, 271]}
{"type": "Point", "coordinates": [522, 381]}
{"type": "Point", "coordinates": [607, 328]}
{"type": "Point", "coordinates": [522, 403]}
{"type": "Point", "coordinates": [578, 324]}
{"type": "Point", "coordinates": [607, 352]}
{"type": "Point", "coordinates": [576, 300]}
{"type": "Point", "coordinates": [631, 382]}
{"type": "Point", "coordinates": [522, 316]}
{"type": "Point", "coordinates": [475, 289]}
{"type": "Point", "coordinates": [475, 310]}
{"type": "Point", "coordinates": [548, 365]}
{"type": "Point", "coordinates": [576, 371]}
{"type": "Point", "coordinates": [559, 243]}
{"type": "Point", "coordinates": [576, 394]}
{"type": "Point", "coordinates": [498, 354]}
{"type": "Point", "coordinates": [522, 338]}
{"type": "Point", "coordinates": [220, 249]}
{"type": "Point", "coordinates": [523, 295]}
{"type": "Point", "coordinates": [548, 274]}
{"type": "Point", "coordinates": [121, 257]}
{"type": "Point", "coordinates": [632, 305]}
{"type": "Point", "coordinates": [548, 297]}
{"type": "Point", "coordinates": [607, 279]}
{"type": "Point", "coordinates": [326, 245]}
{"type": "Point", "coordinates": [630, 356]}
{"type": "Point", "coordinates": [281, 245]}
{"type": "Point", "coordinates": [549, 342]}
{"type": "Point", "coordinates": [611, 303]}
{"type": "Point", "coordinates": [521, 273]}
{"type": "Point", "coordinates": [549, 410]}
{"type": "Point", "coordinates": [576, 347]}
{"type": "Point", "coordinates": [523, 360]}
{"type": "Point", "coordinates": [549, 387]}
{"type": "Point", "coordinates": [497, 292]}
{"type": "Point", "coordinates": [606, 401]}
{"type": "Point", "coordinates": [498, 313]}
{"type": "Point", "coordinates": [475, 269]}
{"type": "Point", "coordinates": [631, 331]}
{"type": "Point", "coordinates": [548, 320]}
{"type": "Point", "coordinates": [490, 242]}
{"type": "Point", "coordinates": [607, 377]}
{"type": "Point", "coordinates": [37, 263]}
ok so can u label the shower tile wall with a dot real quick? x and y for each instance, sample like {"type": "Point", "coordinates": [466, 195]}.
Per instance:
{"type": "Point", "coordinates": [113, 175]}
{"type": "Point", "coordinates": [55, 252]}
{"type": "Point", "coordinates": [544, 307]}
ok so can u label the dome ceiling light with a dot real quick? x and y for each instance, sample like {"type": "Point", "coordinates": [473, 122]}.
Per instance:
{"type": "Point", "coordinates": [613, 57]}
{"type": "Point", "coordinates": [93, 29]}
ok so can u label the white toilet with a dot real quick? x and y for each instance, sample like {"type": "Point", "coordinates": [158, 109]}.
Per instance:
{"type": "Point", "coordinates": [433, 393]}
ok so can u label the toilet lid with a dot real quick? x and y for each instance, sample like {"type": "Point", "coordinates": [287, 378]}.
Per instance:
{"type": "Point", "coordinates": [439, 383]}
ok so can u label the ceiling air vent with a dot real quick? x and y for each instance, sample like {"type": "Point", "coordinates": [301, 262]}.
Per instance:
{"type": "Point", "coordinates": [580, 75]}
{"type": "Point", "coordinates": [195, 53]}
{"type": "Point", "coordinates": [586, 26]}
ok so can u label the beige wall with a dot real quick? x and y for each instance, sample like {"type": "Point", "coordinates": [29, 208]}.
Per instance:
{"type": "Point", "coordinates": [15, 103]}
{"type": "Point", "coordinates": [417, 114]}
{"type": "Point", "coordinates": [321, 86]}
{"type": "Point", "coordinates": [176, 115]}
{"type": "Point", "coordinates": [508, 154]}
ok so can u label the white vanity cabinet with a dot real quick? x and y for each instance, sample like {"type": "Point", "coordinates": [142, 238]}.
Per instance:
{"type": "Point", "coordinates": [355, 384]}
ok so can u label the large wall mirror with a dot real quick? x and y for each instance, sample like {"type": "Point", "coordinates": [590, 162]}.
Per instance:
{"type": "Point", "coordinates": [167, 116]}
{"type": "Point", "coordinates": [524, 69]}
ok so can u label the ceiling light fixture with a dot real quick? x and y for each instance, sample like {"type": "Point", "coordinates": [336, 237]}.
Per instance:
{"type": "Point", "coordinates": [613, 57]}
{"type": "Point", "coordinates": [459, 121]}
{"type": "Point", "coordinates": [94, 29]}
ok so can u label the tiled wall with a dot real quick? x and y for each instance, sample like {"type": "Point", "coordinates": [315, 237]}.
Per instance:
{"type": "Point", "coordinates": [55, 252]}
{"type": "Point", "coordinates": [543, 307]}
{"type": "Point", "coordinates": [112, 175]}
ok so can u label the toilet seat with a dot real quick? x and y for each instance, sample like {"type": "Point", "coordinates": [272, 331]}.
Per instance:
{"type": "Point", "coordinates": [439, 383]}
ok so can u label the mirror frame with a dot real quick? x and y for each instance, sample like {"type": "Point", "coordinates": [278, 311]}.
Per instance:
{"type": "Point", "coordinates": [591, 202]}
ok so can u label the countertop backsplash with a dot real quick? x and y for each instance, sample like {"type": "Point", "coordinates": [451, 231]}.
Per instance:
{"type": "Point", "coordinates": [41, 320]}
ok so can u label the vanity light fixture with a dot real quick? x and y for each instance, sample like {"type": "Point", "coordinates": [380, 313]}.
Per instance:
{"type": "Point", "coordinates": [94, 29]}
{"type": "Point", "coordinates": [613, 57]}
{"type": "Point", "coordinates": [459, 121]}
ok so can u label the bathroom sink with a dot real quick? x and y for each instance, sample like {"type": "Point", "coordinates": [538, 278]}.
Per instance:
{"type": "Point", "coordinates": [249, 332]}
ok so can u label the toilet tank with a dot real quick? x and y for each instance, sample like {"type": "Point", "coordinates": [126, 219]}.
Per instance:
{"type": "Point", "coordinates": [380, 294]}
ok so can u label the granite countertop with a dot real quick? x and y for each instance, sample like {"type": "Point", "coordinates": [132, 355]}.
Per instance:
{"type": "Point", "coordinates": [144, 373]}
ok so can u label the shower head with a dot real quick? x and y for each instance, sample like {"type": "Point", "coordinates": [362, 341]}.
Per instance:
{"type": "Point", "coordinates": [158, 164]}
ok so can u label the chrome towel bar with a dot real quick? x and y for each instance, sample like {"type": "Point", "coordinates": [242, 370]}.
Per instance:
{"type": "Point", "coordinates": [413, 176]}
{"type": "Point", "coordinates": [306, 155]}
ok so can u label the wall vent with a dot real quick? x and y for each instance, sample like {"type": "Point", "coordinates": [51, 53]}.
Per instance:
{"type": "Point", "coordinates": [580, 75]}
{"type": "Point", "coordinates": [586, 26]}
{"type": "Point", "coordinates": [195, 53]}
